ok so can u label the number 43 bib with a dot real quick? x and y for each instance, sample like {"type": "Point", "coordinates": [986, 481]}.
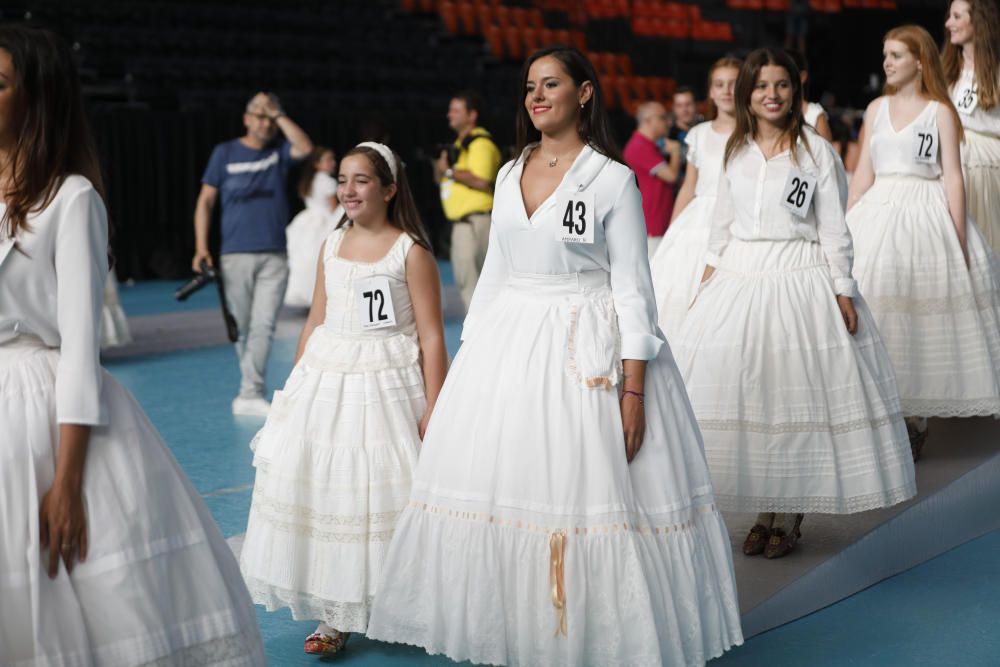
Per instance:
{"type": "Point", "coordinates": [374, 299]}
{"type": "Point", "coordinates": [577, 217]}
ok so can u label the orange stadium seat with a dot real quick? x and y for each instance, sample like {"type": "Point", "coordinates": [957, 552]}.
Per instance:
{"type": "Point", "coordinates": [494, 36]}
{"type": "Point", "coordinates": [449, 16]}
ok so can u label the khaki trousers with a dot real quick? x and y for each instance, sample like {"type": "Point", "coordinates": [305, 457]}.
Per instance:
{"type": "Point", "coordinates": [469, 238]}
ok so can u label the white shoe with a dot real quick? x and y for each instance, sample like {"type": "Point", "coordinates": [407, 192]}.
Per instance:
{"type": "Point", "coordinates": [251, 407]}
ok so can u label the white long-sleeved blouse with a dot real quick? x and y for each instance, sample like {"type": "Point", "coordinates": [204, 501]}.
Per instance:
{"type": "Point", "coordinates": [51, 287]}
{"type": "Point", "coordinates": [522, 245]}
{"type": "Point", "coordinates": [749, 206]}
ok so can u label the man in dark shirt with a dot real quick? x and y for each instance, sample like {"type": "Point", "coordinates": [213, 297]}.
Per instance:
{"type": "Point", "coordinates": [247, 176]}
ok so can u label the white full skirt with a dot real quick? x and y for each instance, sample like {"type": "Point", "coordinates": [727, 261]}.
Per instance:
{"type": "Point", "coordinates": [797, 414]}
{"type": "Point", "coordinates": [304, 236]}
{"type": "Point", "coordinates": [940, 319]}
{"type": "Point", "coordinates": [159, 585]}
{"type": "Point", "coordinates": [334, 463]}
{"type": "Point", "coordinates": [981, 167]}
{"type": "Point", "coordinates": [679, 263]}
{"type": "Point", "coordinates": [523, 504]}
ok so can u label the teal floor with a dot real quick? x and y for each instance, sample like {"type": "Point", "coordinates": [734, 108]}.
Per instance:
{"type": "Point", "coordinates": [942, 613]}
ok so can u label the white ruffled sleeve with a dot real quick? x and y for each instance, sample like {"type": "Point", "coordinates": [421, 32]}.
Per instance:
{"type": "Point", "coordinates": [81, 266]}
{"type": "Point", "coordinates": [631, 283]}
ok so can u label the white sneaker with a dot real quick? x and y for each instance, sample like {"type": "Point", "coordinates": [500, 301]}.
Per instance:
{"type": "Point", "coordinates": [251, 407]}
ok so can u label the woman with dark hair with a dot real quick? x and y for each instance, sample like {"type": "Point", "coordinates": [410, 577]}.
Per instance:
{"type": "Point", "coordinates": [792, 387]}
{"type": "Point", "coordinates": [971, 60]}
{"type": "Point", "coordinates": [310, 227]}
{"type": "Point", "coordinates": [931, 278]}
{"type": "Point", "coordinates": [562, 512]}
{"type": "Point", "coordinates": [109, 556]}
{"type": "Point", "coordinates": [335, 458]}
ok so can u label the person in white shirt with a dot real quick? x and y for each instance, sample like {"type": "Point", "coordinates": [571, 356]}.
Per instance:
{"type": "Point", "coordinates": [787, 374]}
{"type": "Point", "coordinates": [310, 227]}
{"type": "Point", "coordinates": [562, 512]}
{"type": "Point", "coordinates": [932, 280]}
{"type": "Point", "coordinates": [971, 62]}
{"type": "Point", "coordinates": [679, 262]}
{"type": "Point", "coordinates": [108, 555]}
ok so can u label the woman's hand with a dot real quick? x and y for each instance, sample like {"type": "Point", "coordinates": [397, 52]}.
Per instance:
{"type": "Point", "coordinates": [848, 313]}
{"type": "Point", "coordinates": [63, 525]}
{"type": "Point", "coordinates": [633, 423]}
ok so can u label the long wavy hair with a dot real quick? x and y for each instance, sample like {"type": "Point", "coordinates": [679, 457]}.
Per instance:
{"type": "Point", "coordinates": [712, 112]}
{"type": "Point", "coordinates": [746, 122]}
{"type": "Point", "coordinates": [985, 19]}
{"type": "Point", "coordinates": [932, 82]}
{"type": "Point", "coordinates": [52, 137]}
{"type": "Point", "coordinates": [592, 121]}
{"type": "Point", "coordinates": [402, 211]}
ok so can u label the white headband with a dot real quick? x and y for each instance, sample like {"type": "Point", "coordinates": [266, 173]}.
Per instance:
{"type": "Point", "coordinates": [385, 152]}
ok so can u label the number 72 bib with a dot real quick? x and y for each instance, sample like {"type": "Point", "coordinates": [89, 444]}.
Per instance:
{"type": "Point", "coordinates": [925, 144]}
{"type": "Point", "coordinates": [374, 300]}
{"type": "Point", "coordinates": [798, 192]}
{"type": "Point", "coordinates": [577, 217]}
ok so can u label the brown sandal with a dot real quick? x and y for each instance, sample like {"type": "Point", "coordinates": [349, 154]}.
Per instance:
{"type": "Point", "coordinates": [756, 540]}
{"type": "Point", "coordinates": [781, 543]}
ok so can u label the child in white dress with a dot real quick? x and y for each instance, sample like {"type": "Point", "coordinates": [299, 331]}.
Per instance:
{"type": "Point", "coordinates": [335, 458]}
{"type": "Point", "coordinates": [307, 231]}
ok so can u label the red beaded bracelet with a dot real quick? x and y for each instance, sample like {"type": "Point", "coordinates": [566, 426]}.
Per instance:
{"type": "Point", "coordinates": [640, 396]}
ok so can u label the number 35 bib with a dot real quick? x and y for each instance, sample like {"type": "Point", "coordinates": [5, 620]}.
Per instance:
{"type": "Point", "coordinates": [577, 217]}
{"type": "Point", "coordinates": [374, 299]}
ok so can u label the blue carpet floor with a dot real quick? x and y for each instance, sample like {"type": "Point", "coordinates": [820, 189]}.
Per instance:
{"type": "Point", "coordinates": [942, 613]}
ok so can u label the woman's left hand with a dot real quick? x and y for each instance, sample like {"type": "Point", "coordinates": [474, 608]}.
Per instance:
{"type": "Point", "coordinates": [633, 423]}
{"type": "Point", "coordinates": [847, 311]}
{"type": "Point", "coordinates": [63, 526]}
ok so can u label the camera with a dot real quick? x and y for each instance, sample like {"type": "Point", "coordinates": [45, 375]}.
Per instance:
{"type": "Point", "coordinates": [208, 274]}
{"type": "Point", "coordinates": [451, 149]}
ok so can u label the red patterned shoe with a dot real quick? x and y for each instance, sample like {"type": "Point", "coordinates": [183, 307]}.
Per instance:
{"type": "Point", "coordinates": [326, 645]}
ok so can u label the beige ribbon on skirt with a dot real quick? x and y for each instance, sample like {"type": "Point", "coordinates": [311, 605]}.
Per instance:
{"type": "Point", "coordinates": [557, 549]}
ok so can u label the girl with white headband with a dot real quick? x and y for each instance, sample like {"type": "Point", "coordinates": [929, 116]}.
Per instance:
{"type": "Point", "coordinates": [335, 458]}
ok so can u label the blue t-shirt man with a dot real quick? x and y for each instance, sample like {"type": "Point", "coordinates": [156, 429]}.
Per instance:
{"type": "Point", "coordinates": [251, 184]}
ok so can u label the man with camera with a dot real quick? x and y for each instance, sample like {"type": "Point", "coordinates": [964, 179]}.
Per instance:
{"type": "Point", "coordinates": [466, 172]}
{"type": "Point", "coordinates": [247, 177]}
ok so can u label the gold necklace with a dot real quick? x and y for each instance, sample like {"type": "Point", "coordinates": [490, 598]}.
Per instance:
{"type": "Point", "coordinates": [554, 161]}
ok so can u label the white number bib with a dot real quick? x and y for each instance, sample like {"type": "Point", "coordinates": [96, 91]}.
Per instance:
{"type": "Point", "coordinates": [375, 303]}
{"type": "Point", "coordinates": [577, 212]}
{"type": "Point", "coordinates": [925, 144]}
{"type": "Point", "coordinates": [967, 99]}
{"type": "Point", "coordinates": [798, 192]}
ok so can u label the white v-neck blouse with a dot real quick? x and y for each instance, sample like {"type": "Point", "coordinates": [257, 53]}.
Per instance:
{"type": "Point", "coordinates": [52, 288]}
{"type": "Point", "coordinates": [749, 208]}
{"type": "Point", "coordinates": [531, 246]}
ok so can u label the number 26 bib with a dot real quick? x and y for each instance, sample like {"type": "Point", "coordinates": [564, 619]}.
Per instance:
{"type": "Point", "coordinates": [798, 192]}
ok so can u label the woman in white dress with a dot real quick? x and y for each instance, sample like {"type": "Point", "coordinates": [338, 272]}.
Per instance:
{"type": "Point", "coordinates": [812, 112]}
{"type": "Point", "coordinates": [679, 261]}
{"type": "Point", "coordinates": [335, 458]}
{"type": "Point", "coordinates": [925, 269]}
{"type": "Point", "coordinates": [109, 557]}
{"type": "Point", "coordinates": [309, 229]}
{"type": "Point", "coordinates": [562, 512]}
{"type": "Point", "coordinates": [971, 59]}
{"type": "Point", "coordinates": [792, 387]}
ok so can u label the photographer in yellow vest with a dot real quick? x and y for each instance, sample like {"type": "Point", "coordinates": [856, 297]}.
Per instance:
{"type": "Point", "coordinates": [466, 172]}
